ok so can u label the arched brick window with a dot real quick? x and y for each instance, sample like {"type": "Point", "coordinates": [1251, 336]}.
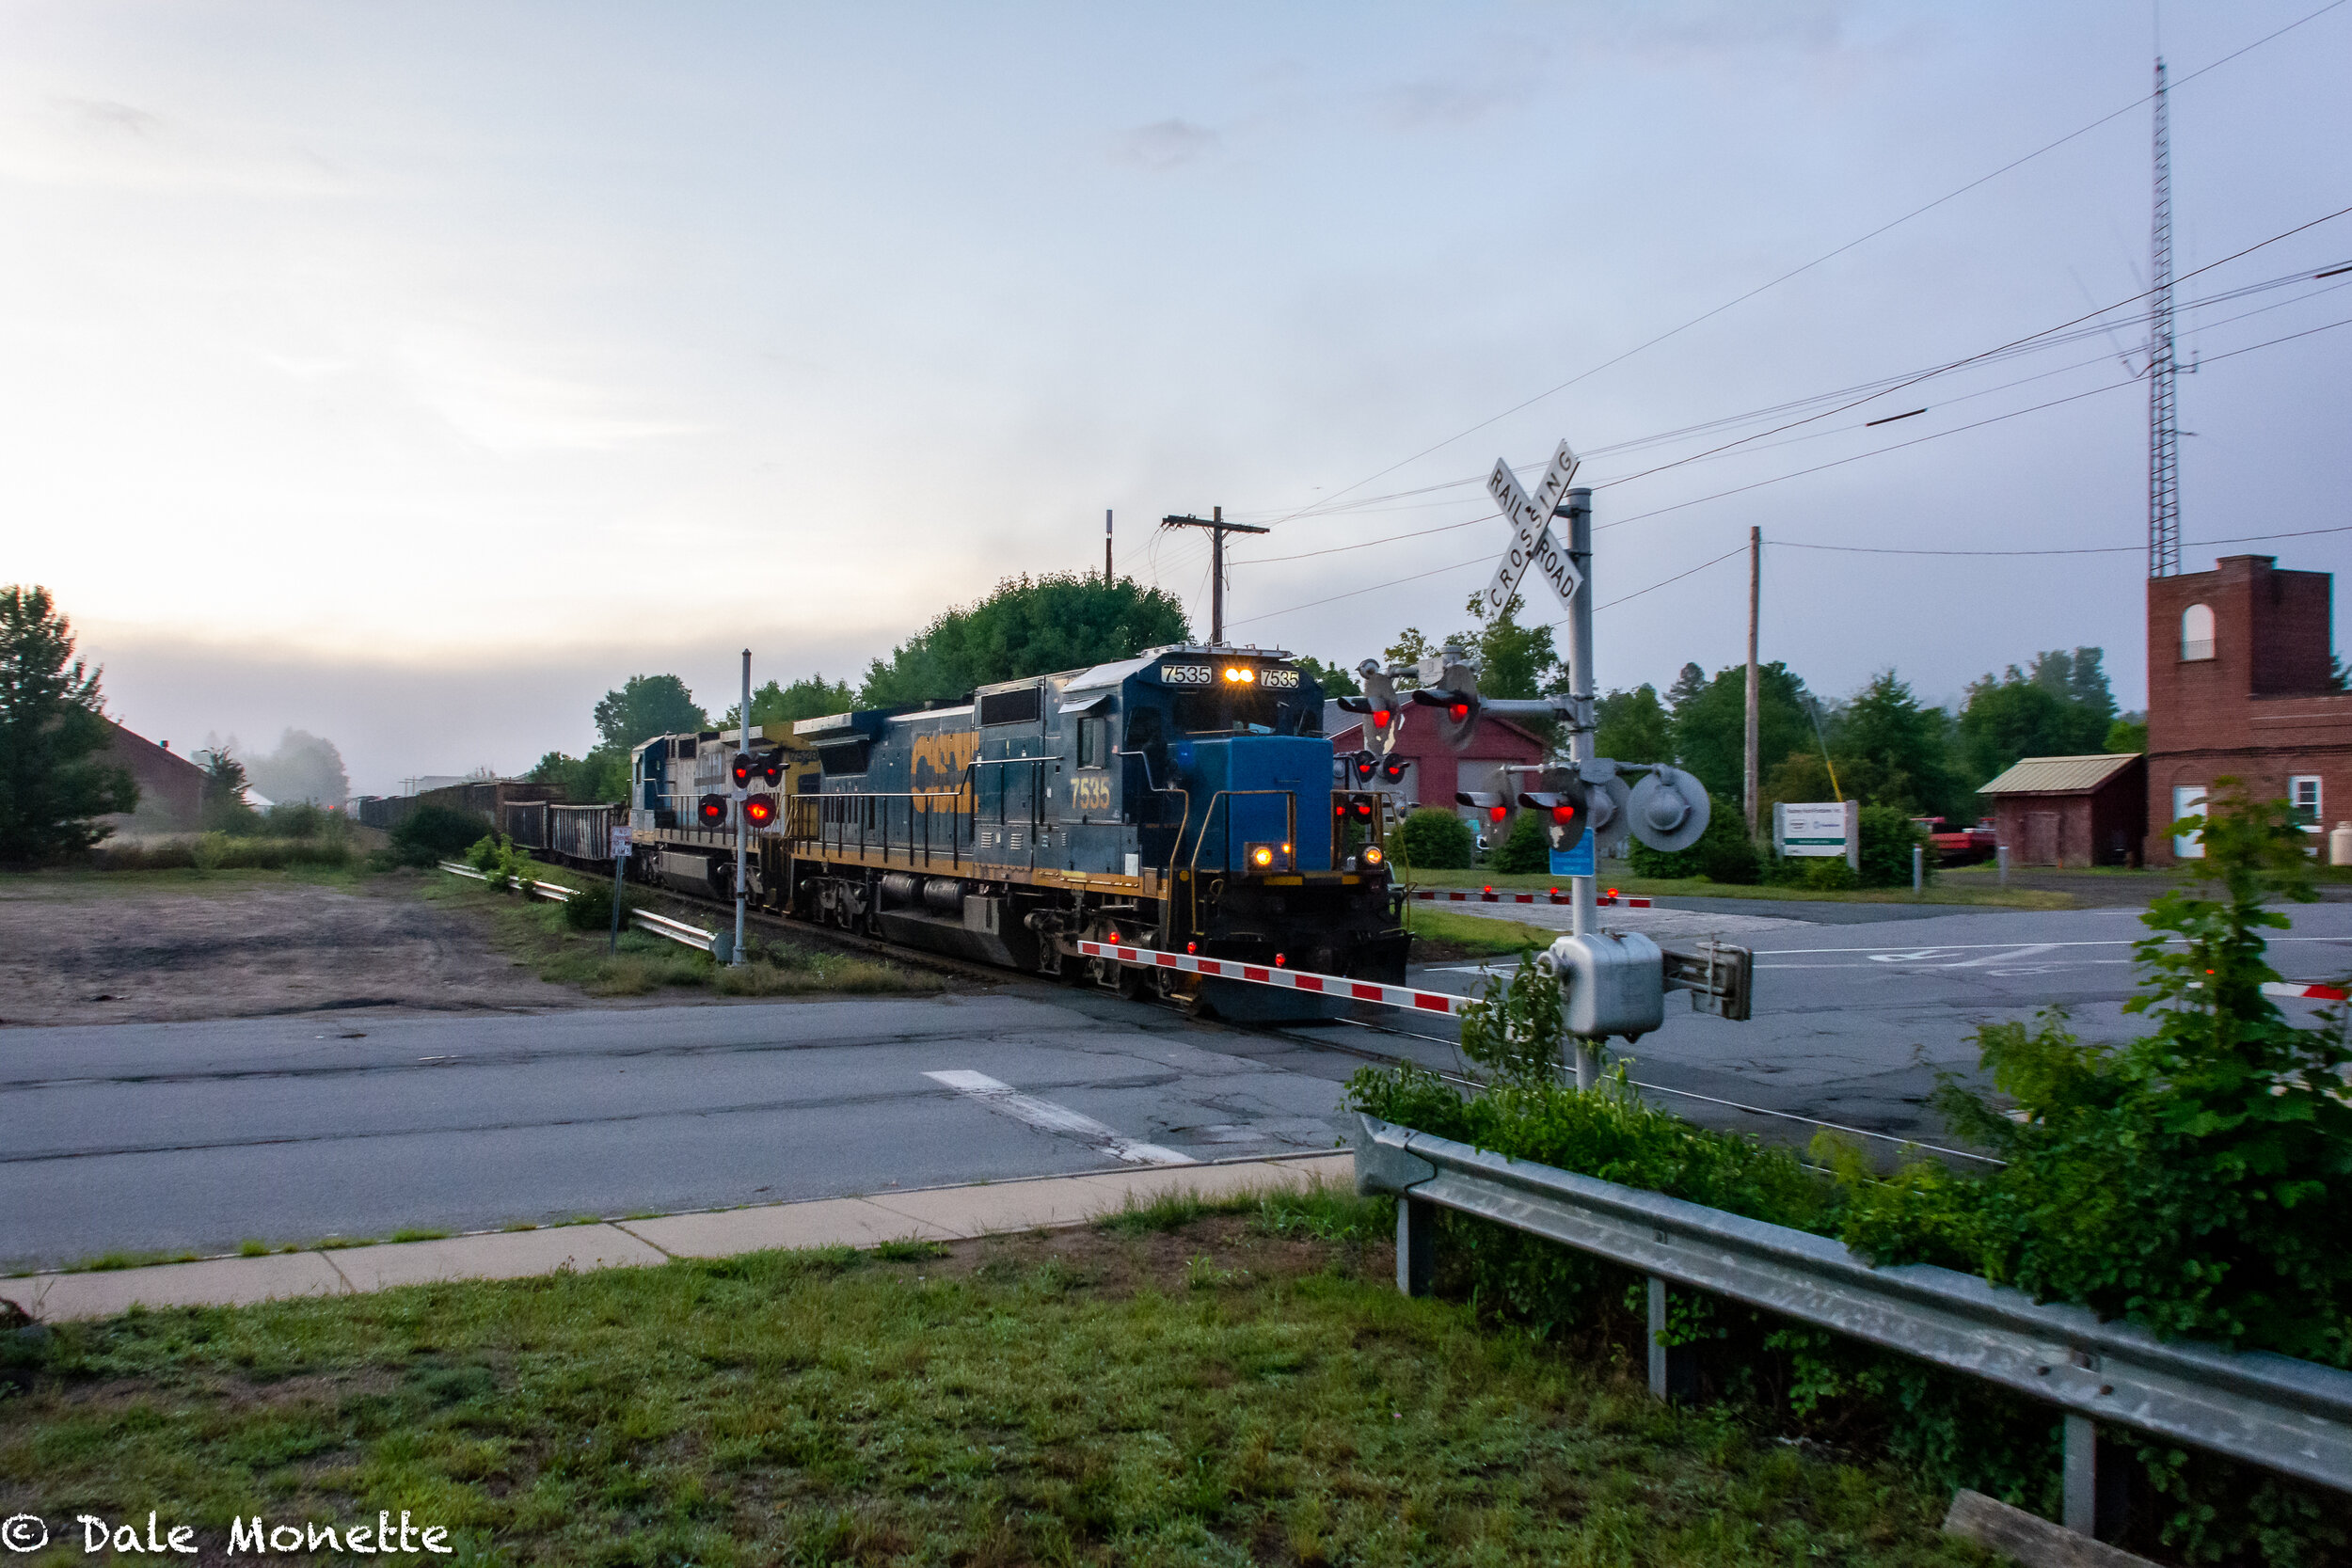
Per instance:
{"type": "Point", "coordinates": [2196, 632]}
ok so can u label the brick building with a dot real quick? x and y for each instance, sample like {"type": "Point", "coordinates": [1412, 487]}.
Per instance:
{"type": "Point", "coordinates": [1433, 771]}
{"type": "Point", "coordinates": [2240, 684]}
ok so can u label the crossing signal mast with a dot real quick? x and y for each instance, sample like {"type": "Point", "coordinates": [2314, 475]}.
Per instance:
{"type": "Point", "coordinates": [1613, 983]}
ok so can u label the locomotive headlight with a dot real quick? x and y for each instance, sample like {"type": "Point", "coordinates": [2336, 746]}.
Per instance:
{"type": "Point", "coordinates": [1373, 855]}
{"type": "Point", "coordinates": [1240, 674]}
{"type": "Point", "coordinates": [1262, 856]}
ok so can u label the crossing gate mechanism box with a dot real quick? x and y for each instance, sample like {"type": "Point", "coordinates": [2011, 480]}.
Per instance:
{"type": "Point", "coordinates": [1611, 983]}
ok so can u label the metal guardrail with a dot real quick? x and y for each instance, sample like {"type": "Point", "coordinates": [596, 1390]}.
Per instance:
{"type": "Point", "coordinates": [2285, 1414]}
{"type": "Point", "coordinates": [644, 920]}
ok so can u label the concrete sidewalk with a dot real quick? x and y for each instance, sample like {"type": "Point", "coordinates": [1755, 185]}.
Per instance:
{"type": "Point", "coordinates": [938, 1214]}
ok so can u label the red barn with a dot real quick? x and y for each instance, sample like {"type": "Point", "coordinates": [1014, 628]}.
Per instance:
{"type": "Point", "coordinates": [1434, 772]}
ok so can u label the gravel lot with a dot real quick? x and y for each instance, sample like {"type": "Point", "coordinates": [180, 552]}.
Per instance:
{"type": "Point", "coordinates": [165, 946]}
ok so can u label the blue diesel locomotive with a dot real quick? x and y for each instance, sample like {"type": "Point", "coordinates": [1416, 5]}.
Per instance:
{"type": "Point", "coordinates": [1183, 800]}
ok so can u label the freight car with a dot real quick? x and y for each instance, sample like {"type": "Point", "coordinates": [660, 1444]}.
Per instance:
{"type": "Point", "coordinates": [1181, 800]}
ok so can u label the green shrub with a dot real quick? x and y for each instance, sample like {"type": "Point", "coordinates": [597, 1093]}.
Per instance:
{"type": "Point", "coordinates": [1434, 839]}
{"type": "Point", "coordinates": [2197, 1182]}
{"type": "Point", "coordinates": [502, 862]}
{"type": "Point", "coordinates": [429, 834]}
{"type": "Point", "coordinates": [1725, 852]}
{"type": "Point", "coordinates": [301, 819]}
{"type": "Point", "coordinates": [1527, 847]}
{"type": "Point", "coordinates": [589, 908]}
{"type": "Point", "coordinates": [1888, 834]}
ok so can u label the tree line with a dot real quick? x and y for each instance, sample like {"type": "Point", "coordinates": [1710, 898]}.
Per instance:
{"type": "Point", "coordinates": [1883, 745]}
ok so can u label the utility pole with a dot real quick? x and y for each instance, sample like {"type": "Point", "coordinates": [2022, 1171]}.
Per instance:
{"type": "Point", "coordinates": [1752, 792]}
{"type": "Point", "coordinates": [2163, 468]}
{"type": "Point", "coordinates": [1218, 528]}
{"type": "Point", "coordinates": [1106, 547]}
{"type": "Point", "coordinates": [742, 821]}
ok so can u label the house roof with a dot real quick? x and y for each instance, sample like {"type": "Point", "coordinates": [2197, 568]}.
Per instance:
{"type": "Point", "coordinates": [2060, 775]}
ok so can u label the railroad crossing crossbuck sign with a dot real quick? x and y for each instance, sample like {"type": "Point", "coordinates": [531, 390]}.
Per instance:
{"type": "Point", "coordinates": [1533, 543]}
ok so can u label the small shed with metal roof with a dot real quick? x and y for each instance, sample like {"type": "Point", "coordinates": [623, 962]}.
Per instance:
{"type": "Point", "coordinates": [2072, 811]}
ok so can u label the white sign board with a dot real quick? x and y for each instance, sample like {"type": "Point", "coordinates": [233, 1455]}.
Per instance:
{"type": "Point", "coordinates": [621, 842]}
{"type": "Point", "coordinates": [1533, 543]}
{"type": "Point", "coordinates": [1823, 828]}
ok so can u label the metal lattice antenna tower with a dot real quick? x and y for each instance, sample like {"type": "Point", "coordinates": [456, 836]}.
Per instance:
{"type": "Point", "coordinates": [2164, 436]}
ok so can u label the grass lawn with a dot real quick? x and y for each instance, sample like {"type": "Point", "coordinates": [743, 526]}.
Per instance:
{"type": "Point", "coordinates": [1180, 1385]}
{"type": "Point", "coordinates": [1942, 891]}
{"type": "Point", "coordinates": [533, 931]}
{"type": "Point", "coordinates": [1441, 930]}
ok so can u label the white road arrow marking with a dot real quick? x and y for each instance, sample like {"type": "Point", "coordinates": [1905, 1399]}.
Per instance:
{"type": "Point", "coordinates": [1061, 1119]}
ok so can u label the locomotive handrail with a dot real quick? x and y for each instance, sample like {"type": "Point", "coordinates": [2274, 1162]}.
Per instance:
{"type": "Point", "coordinates": [1176, 846]}
{"type": "Point", "coordinates": [1290, 837]}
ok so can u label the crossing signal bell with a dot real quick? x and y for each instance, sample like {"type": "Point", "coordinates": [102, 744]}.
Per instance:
{"type": "Point", "coordinates": [1378, 705]}
{"type": "Point", "coordinates": [1565, 810]}
{"type": "Point", "coordinates": [1450, 685]}
{"type": "Point", "coordinates": [1492, 806]}
{"type": "Point", "coordinates": [1668, 809]}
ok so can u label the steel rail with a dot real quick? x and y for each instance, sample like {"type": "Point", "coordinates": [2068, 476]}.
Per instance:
{"type": "Point", "coordinates": [2284, 1415]}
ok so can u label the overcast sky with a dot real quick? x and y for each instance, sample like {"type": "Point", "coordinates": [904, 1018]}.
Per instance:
{"type": "Point", "coordinates": [413, 373]}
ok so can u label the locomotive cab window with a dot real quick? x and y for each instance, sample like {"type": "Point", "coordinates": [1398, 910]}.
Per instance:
{"type": "Point", "coordinates": [1095, 743]}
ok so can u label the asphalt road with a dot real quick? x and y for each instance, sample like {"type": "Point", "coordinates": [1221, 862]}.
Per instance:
{"type": "Point", "coordinates": [200, 1135]}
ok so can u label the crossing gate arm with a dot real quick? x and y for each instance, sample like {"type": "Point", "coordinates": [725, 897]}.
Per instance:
{"type": "Point", "coordinates": [1462, 895]}
{"type": "Point", "coordinates": [2285, 1414]}
{"type": "Point", "coordinates": [1407, 997]}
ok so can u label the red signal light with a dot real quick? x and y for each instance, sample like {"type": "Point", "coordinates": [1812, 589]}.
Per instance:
{"type": "Point", "coordinates": [1339, 808]}
{"type": "Point", "coordinates": [1498, 813]}
{"type": "Point", "coordinates": [1563, 814]}
{"type": "Point", "coordinates": [711, 811]}
{"type": "Point", "coordinates": [1363, 809]}
{"type": "Point", "coordinates": [1457, 711]}
{"type": "Point", "coordinates": [1380, 717]}
{"type": "Point", "coordinates": [759, 810]}
{"type": "Point", "coordinates": [742, 770]}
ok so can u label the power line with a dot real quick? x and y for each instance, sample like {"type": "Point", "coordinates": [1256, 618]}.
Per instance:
{"type": "Point", "coordinates": [1958, 364]}
{"type": "Point", "coordinates": [1830, 256]}
{"type": "Point", "coordinates": [2078, 549]}
{"type": "Point", "coordinates": [1979, 424]}
{"type": "Point", "coordinates": [1837, 463]}
{"type": "Point", "coordinates": [1881, 383]}
{"type": "Point", "coordinates": [1654, 587]}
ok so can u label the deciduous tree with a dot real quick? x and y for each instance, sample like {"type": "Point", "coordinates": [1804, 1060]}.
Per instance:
{"type": "Point", "coordinates": [646, 707]}
{"type": "Point", "coordinates": [1027, 626]}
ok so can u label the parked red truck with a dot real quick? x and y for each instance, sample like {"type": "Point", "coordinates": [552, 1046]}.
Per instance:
{"type": "Point", "coordinates": [1957, 846]}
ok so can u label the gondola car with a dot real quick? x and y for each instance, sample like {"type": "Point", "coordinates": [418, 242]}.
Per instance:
{"type": "Point", "coordinates": [1182, 801]}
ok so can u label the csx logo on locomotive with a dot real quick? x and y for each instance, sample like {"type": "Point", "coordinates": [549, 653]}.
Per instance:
{"type": "Point", "coordinates": [939, 763]}
{"type": "Point", "coordinates": [1090, 792]}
